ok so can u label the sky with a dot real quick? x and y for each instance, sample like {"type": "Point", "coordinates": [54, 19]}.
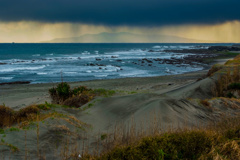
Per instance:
{"type": "Point", "coordinates": [43, 20]}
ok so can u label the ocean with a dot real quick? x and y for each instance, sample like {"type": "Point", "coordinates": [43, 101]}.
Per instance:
{"type": "Point", "coordinates": [44, 63]}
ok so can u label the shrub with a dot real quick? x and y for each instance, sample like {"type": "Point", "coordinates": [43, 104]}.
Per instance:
{"type": "Point", "coordinates": [186, 145]}
{"type": "Point", "coordinates": [234, 86]}
{"type": "Point", "coordinates": [230, 95]}
{"type": "Point", "coordinates": [7, 116]}
{"type": "Point", "coordinates": [75, 97]}
{"type": "Point", "coordinates": [77, 101]}
{"type": "Point", "coordinates": [10, 117]}
{"type": "Point", "coordinates": [205, 103]}
{"type": "Point", "coordinates": [63, 91]}
{"type": "Point", "coordinates": [24, 112]}
{"type": "Point", "coordinates": [79, 90]}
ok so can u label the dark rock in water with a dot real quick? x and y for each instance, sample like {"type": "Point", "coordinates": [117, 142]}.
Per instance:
{"type": "Point", "coordinates": [91, 64]}
{"type": "Point", "coordinates": [3, 63]}
{"type": "Point", "coordinates": [98, 59]}
{"type": "Point", "coordinates": [16, 82]}
{"type": "Point", "coordinates": [225, 48]}
{"type": "Point", "coordinates": [100, 67]}
{"type": "Point", "coordinates": [218, 48]}
{"type": "Point", "coordinates": [79, 58]}
{"type": "Point", "coordinates": [114, 57]}
{"type": "Point", "coordinates": [20, 61]}
{"type": "Point", "coordinates": [119, 60]}
{"type": "Point", "coordinates": [236, 45]}
{"type": "Point", "coordinates": [149, 64]}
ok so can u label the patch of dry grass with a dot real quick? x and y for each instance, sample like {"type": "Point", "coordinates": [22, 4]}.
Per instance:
{"type": "Point", "coordinates": [215, 141]}
{"type": "Point", "coordinates": [10, 117]}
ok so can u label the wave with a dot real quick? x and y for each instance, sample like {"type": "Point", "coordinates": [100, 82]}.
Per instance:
{"type": "Point", "coordinates": [157, 47]}
{"type": "Point", "coordinates": [36, 55]}
{"type": "Point", "coordinates": [22, 68]}
{"type": "Point", "coordinates": [41, 73]}
{"type": "Point", "coordinates": [6, 78]}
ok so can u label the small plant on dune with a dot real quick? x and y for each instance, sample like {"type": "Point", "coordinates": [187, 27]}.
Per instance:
{"type": "Point", "coordinates": [63, 91]}
{"type": "Point", "coordinates": [7, 116]}
{"type": "Point", "coordinates": [205, 103]}
{"type": "Point", "coordinates": [77, 101]}
{"type": "Point", "coordinates": [46, 106]}
{"type": "Point", "coordinates": [79, 90]}
{"type": "Point", "coordinates": [103, 92]}
{"type": "Point", "coordinates": [76, 97]}
{"type": "Point", "coordinates": [10, 117]}
{"type": "Point", "coordinates": [230, 95]}
{"type": "Point", "coordinates": [60, 93]}
{"type": "Point", "coordinates": [234, 86]}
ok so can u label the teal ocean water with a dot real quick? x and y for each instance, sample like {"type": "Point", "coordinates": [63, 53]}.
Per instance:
{"type": "Point", "coordinates": [42, 63]}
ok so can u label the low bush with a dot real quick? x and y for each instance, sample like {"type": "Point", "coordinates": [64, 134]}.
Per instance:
{"type": "Point", "coordinates": [184, 145]}
{"type": "Point", "coordinates": [7, 116]}
{"type": "Point", "coordinates": [215, 141]}
{"type": "Point", "coordinates": [77, 101]}
{"type": "Point", "coordinates": [79, 90]}
{"type": "Point", "coordinates": [235, 86]}
{"type": "Point", "coordinates": [10, 117]}
{"type": "Point", "coordinates": [76, 97]}
{"type": "Point", "coordinates": [205, 103]}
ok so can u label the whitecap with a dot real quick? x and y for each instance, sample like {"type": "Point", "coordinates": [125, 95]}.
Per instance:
{"type": "Point", "coordinates": [6, 78]}
{"type": "Point", "coordinates": [101, 75]}
{"type": "Point", "coordinates": [22, 68]}
{"type": "Point", "coordinates": [36, 55]}
{"type": "Point", "coordinates": [41, 73]}
{"type": "Point", "coordinates": [70, 72]}
{"type": "Point", "coordinates": [156, 47]}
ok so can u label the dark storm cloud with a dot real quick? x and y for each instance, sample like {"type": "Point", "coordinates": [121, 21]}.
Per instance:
{"type": "Point", "coordinates": [122, 12]}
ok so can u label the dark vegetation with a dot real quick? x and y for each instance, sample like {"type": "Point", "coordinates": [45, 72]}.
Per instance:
{"type": "Point", "coordinates": [76, 97]}
{"type": "Point", "coordinates": [10, 117]}
{"type": "Point", "coordinates": [216, 141]}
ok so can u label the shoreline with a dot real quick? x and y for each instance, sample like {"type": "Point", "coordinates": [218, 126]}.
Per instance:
{"type": "Point", "coordinates": [30, 94]}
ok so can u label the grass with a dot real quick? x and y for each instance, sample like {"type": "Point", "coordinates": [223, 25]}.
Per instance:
{"type": "Point", "coordinates": [10, 117]}
{"type": "Point", "coordinates": [214, 69]}
{"type": "Point", "coordinates": [226, 82]}
{"type": "Point", "coordinates": [218, 141]}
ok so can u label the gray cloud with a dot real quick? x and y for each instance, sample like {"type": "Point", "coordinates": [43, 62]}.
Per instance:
{"type": "Point", "coordinates": [121, 12]}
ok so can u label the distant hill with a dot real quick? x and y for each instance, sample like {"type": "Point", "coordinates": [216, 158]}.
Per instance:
{"type": "Point", "coordinates": [124, 37]}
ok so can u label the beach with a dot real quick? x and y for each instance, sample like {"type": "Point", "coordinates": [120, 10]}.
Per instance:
{"type": "Point", "coordinates": [30, 94]}
{"type": "Point", "coordinates": [170, 101]}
